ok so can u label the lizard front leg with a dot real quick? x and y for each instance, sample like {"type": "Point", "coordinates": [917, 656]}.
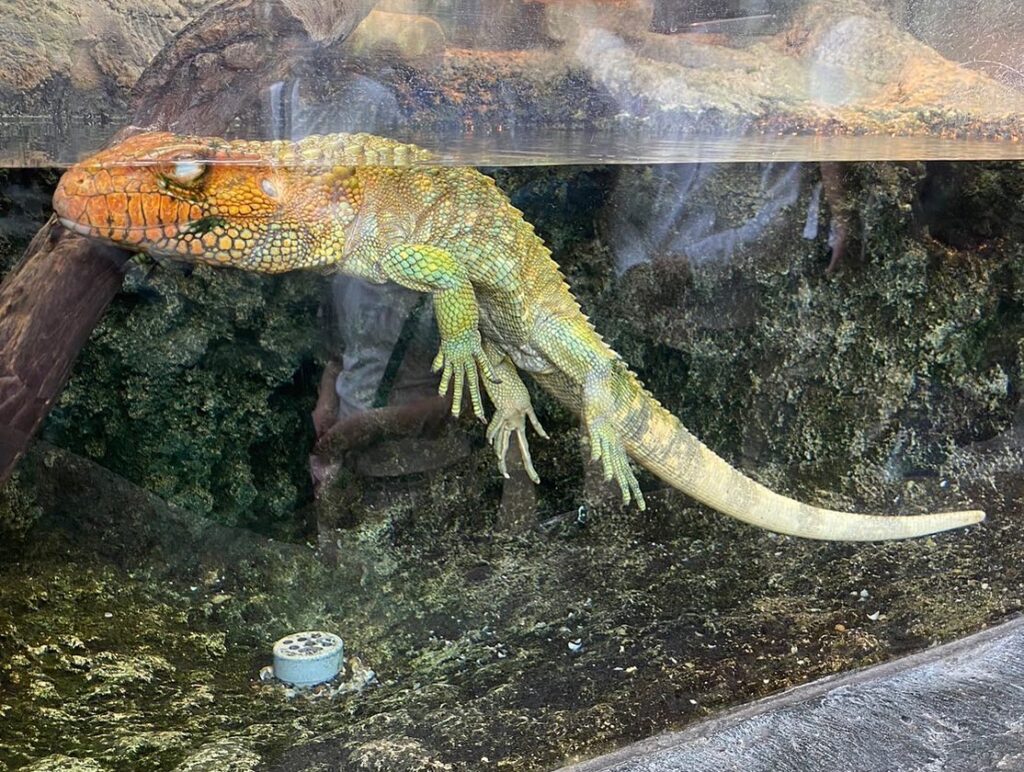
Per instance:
{"type": "Point", "coordinates": [461, 358]}
{"type": "Point", "coordinates": [512, 407]}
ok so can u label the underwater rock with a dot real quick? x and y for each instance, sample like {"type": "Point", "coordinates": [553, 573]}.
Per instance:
{"type": "Point", "coordinates": [177, 391]}
{"type": "Point", "coordinates": [737, 293]}
{"type": "Point", "coordinates": [678, 614]}
{"type": "Point", "coordinates": [893, 381]}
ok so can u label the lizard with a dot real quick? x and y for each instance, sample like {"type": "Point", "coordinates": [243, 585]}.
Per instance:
{"type": "Point", "coordinates": [386, 211]}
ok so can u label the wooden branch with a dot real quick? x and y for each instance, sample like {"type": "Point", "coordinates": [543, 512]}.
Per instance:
{"type": "Point", "coordinates": [48, 307]}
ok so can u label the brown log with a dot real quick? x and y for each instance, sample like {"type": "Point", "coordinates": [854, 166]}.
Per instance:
{"type": "Point", "coordinates": [48, 307]}
{"type": "Point", "coordinates": [200, 81]}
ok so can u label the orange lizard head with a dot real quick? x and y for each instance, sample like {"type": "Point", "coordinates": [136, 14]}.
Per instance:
{"type": "Point", "coordinates": [267, 207]}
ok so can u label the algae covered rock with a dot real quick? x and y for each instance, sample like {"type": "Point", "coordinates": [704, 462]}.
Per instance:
{"type": "Point", "coordinates": [855, 381]}
{"type": "Point", "coordinates": [58, 762]}
{"type": "Point", "coordinates": [25, 203]}
{"type": "Point", "coordinates": [197, 384]}
{"type": "Point", "coordinates": [199, 388]}
{"type": "Point", "coordinates": [19, 509]}
{"type": "Point", "coordinates": [225, 755]}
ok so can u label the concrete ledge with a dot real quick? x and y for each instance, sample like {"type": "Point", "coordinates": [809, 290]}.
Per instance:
{"type": "Point", "coordinates": [953, 707]}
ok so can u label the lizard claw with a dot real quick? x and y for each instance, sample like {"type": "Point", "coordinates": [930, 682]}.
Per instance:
{"type": "Point", "coordinates": [504, 424]}
{"type": "Point", "coordinates": [461, 360]}
{"type": "Point", "coordinates": [607, 449]}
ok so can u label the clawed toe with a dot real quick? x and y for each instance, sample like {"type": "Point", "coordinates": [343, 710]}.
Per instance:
{"type": "Point", "coordinates": [615, 466]}
{"type": "Point", "coordinates": [500, 432]}
{"type": "Point", "coordinates": [461, 362]}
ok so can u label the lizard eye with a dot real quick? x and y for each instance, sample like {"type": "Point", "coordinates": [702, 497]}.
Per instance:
{"type": "Point", "coordinates": [186, 170]}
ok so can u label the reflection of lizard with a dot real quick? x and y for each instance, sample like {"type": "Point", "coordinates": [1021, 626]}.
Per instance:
{"type": "Point", "coordinates": [360, 205]}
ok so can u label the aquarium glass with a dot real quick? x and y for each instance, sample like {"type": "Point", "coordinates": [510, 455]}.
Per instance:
{"type": "Point", "coordinates": [794, 226]}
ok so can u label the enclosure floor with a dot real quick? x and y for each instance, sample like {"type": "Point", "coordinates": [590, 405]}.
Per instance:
{"type": "Point", "coordinates": [956, 707]}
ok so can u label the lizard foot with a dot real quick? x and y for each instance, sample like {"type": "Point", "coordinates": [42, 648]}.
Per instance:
{"type": "Point", "coordinates": [460, 360]}
{"type": "Point", "coordinates": [607, 448]}
{"type": "Point", "coordinates": [509, 420]}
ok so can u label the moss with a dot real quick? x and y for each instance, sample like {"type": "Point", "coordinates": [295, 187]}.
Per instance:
{"type": "Point", "coordinates": [226, 755]}
{"type": "Point", "coordinates": [673, 616]}
{"type": "Point", "coordinates": [25, 196]}
{"type": "Point", "coordinates": [195, 385]}
{"type": "Point", "coordinates": [58, 762]}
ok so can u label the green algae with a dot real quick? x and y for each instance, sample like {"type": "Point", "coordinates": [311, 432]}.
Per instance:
{"type": "Point", "coordinates": [851, 382]}
{"type": "Point", "coordinates": [196, 384]}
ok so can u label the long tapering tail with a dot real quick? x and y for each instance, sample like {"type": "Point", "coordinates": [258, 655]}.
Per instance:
{"type": "Point", "coordinates": [665, 447]}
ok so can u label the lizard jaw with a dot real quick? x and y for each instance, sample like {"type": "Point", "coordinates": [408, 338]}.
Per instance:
{"type": "Point", "coordinates": [77, 227]}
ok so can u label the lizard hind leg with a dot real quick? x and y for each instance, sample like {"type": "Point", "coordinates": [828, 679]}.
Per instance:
{"type": "Point", "coordinates": [603, 399]}
{"type": "Point", "coordinates": [512, 407]}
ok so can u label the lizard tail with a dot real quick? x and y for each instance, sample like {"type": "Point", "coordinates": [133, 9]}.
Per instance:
{"type": "Point", "coordinates": [662, 445]}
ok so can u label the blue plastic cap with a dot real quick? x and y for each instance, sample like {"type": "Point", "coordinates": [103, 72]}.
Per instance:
{"type": "Point", "coordinates": [308, 658]}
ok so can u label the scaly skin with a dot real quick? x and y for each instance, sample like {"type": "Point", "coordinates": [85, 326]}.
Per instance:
{"type": "Point", "coordinates": [376, 209]}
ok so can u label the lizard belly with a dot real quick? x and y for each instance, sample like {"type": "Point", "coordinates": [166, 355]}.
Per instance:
{"type": "Point", "coordinates": [530, 360]}
{"type": "Point", "coordinates": [509, 334]}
